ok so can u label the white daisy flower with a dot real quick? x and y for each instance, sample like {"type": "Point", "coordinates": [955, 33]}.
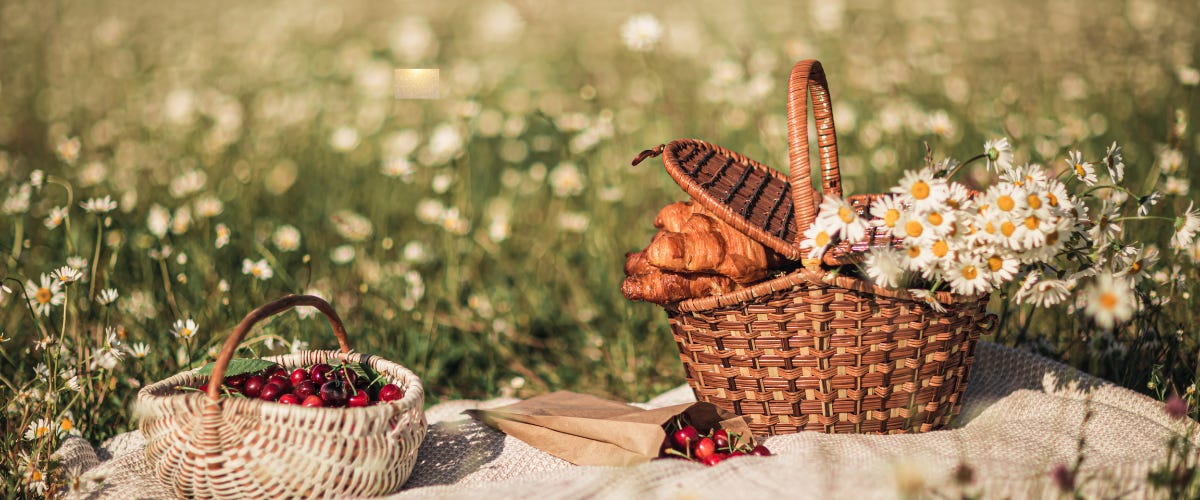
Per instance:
{"type": "Point", "coordinates": [208, 207]}
{"type": "Point", "coordinates": [818, 239]}
{"type": "Point", "coordinates": [1029, 176]}
{"type": "Point", "coordinates": [1001, 266]}
{"type": "Point", "coordinates": [1145, 202]}
{"type": "Point", "coordinates": [77, 262]}
{"type": "Point", "coordinates": [917, 258]}
{"type": "Point", "coordinates": [885, 268]}
{"type": "Point", "coordinates": [107, 296]}
{"type": "Point", "coordinates": [959, 197]}
{"type": "Point", "coordinates": [912, 227]}
{"type": "Point", "coordinates": [259, 269]}
{"type": "Point", "coordinates": [1005, 200]}
{"type": "Point", "coordinates": [67, 274]}
{"type": "Point", "coordinates": [1106, 227]}
{"type": "Point", "coordinates": [46, 296]}
{"type": "Point", "coordinates": [1136, 263]}
{"type": "Point", "coordinates": [184, 329]}
{"type": "Point", "coordinates": [999, 154]}
{"type": "Point", "coordinates": [940, 220]}
{"type": "Point", "coordinates": [837, 217]}
{"type": "Point", "coordinates": [139, 350]}
{"type": "Point", "coordinates": [158, 221]}
{"type": "Point", "coordinates": [1031, 232]}
{"type": "Point", "coordinates": [1186, 228]}
{"type": "Point", "coordinates": [886, 211]}
{"type": "Point", "coordinates": [66, 424]}
{"type": "Point", "coordinates": [286, 238]}
{"type": "Point", "coordinates": [922, 190]}
{"type": "Point", "coordinates": [929, 298]}
{"type": "Point", "coordinates": [99, 205]}
{"type": "Point", "coordinates": [1083, 170]}
{"type": "Point", "coordinates": [1114, 160]}
{"type": "Point", "coordinates": [1109, 301]}
{"type": "Point", "coordinates": [1047, 292]}
{"type": "Point", "coordinates": [967, 276]}
{"type": "Point", "coordinates": [57, 216]}
{"type": "Point", "coordinates": [38, 429]}
{"type": "Point", "coordinates": [223, 235]}
{"type": "Point", "coordinates": [641, 32]}
{"type": "Point", "coordinates": [1057, 197]}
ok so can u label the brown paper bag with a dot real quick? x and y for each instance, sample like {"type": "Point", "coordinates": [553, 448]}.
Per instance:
{"type": "Point", "coordinates": [587, 430]}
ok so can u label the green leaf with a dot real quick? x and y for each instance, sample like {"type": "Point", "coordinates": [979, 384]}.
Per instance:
{"type": "Point", "coordinates": [239, 366]}
{"type": "Point", "coordinates": [364, 370]}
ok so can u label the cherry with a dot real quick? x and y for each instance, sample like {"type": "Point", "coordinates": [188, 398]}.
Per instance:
{"type": "Point", "coordinates": [298, 375]}
{"type": "Point", "coordinates": [276, 370]}
{"type": "Point", "coordinates": [721, 439]}
{"type": "Point", "coordinates": [760, 451]}
{"type": "Point", "coordinates": [714, 459]}
{"type": "Point", "coordinates": [705, 448]}
{"type": "Point", "coordinates": [282, 381]}
{"type": "Point", "coordinates": [271, 392]}
{"type": "Point", "coordinates": [236, 380]}
{"type": "Point", "coordinates": [305, 389]}
{"type": "Point", "coordinates": [345, 375]}
{"type": "Point", "coordinates": [683, 438]}
{"type": "Point", "coordinates": [204, 388]}
{"type": "Point", "coordinates": [289, 399]}
{"type": "Point", "coordinates": [391, 392]}
{"type": "Point", "coordinates": [737, 454]}
{"type": "Point", "coordinates": [253, 386]}
{"type": "Point", "coordinates": [334, 392]}
{"type": "Point", "coordinates": [359, 399]}
{"type": "Point", "coordinates": [319, 373]}
{"type": "Point", "coordinates": [313, 401]}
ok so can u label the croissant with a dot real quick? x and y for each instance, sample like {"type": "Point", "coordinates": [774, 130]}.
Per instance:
{"type": "Point", "coordinates": [664, 287]}
{"type": "Point", "coordinates": [692, 240]}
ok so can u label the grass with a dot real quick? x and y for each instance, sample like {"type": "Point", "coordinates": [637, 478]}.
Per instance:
{"type": "Point", "coordinates": [509, 284]}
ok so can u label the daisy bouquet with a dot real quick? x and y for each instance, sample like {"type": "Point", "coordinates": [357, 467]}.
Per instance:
{"type": "Point", "coordinates": [1052, 234]}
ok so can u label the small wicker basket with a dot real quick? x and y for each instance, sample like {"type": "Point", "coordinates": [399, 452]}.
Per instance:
{"type": "Point", "coordinates": [202, 446]}
{"type": "Point", "coordinates": [816, 348]}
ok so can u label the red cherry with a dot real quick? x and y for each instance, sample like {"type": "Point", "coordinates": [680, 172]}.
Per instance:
{"type": "Point", "coordinates": [313, 401]}
{"type": "Point", "coordinates": [391, 392]}
{"type": "Point", "coordinates": [334, 393]}
{"type": "Point", "coordinates": [721, 439]}
{"type": "Point", "coordinates": [760, 451]}
{"type": "Point", "coordinates": [714, 459]}
{"type": "Point", "coordinates": [305, 389]}
{"type": "Point", "coordinates": [319, 373]}
{"type": "Point", "coordinates": [204, 388]}
{"type": "Point", "coordinates": [253, 386]}
{"type": "Point", "coordinates": [282, 381]}
{"type": "Point", "coordinates": [737, 454]}
{"type": "Point", "coordinates": [271, 392]}
{"type": "Point", "coordinates": [289, 399]}
{"type": "Point", "coordinates": [236, 380]}
{"type": "Point", "coordinates": [359, 399]}
{"type": "Point", "coordinates": [705, 448]}
{"type": "Point", "coordinates": [345, 375]}
{"type": "Point", "coordinates": [684, 438]}
{"type": "Point", "coordinates": [276, 370]}
{"type": "Point", "coordinates": [298, 375]}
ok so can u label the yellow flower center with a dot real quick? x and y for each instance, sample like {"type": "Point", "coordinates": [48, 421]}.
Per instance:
{"type": "Point", "coordinates": [66, 425]}
{"type": "Point", "coordinates": [1135, 267]}
{"type": "Point", "coordinates": [970, 272]}
{"type": "Point", "coordinates": [822, 239]}
{"type": "Point", "coordinates": [256, 271]}
{"type": "Point", "coordinates": [185, 332]}
{"type": "Point", "coordinates": [43, 295]}
{"type": "Point", "coordinates": [1108, 301]}
{"type": "Point", "coordinates": [846, 215]}
{"type": "Point", "coordinates": [914, 252]}
{"type": "Point", "coordinates": [1079, 170]}
{"type": "Point", "coordinates": [991, 229]}
{"type": "Point", "coordinates": [935, 219]}
{"type": "Point", "coordinates": [1035, 202]}
{"type": "Point", "coordinates": [914, 228]}
{"type": "Point", "coordinates": [1007, 228]}
{"type": "Point", "coordinates": [1005, 202]}
{"type": "Point", "coordinates": [941, 248]}
{"type": "Point", "coordinates": [920, 190]}
{"type": "Point", "coordinates": [35, 476]}
{"type": "Point", "coordinates": [995, 263]}
{"type": "Point", "coordinates": [890, 218]}
{"type": "Point", "coordinates": [1031, 222]}
{"type": "Point", "coordinates": [41, 431]}
{"type": "Point", "coordinates": [1053, 200]}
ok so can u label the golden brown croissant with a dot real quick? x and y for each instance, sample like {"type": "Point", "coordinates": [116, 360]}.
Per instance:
{"type": "Point", "coordinates": [692, 240]}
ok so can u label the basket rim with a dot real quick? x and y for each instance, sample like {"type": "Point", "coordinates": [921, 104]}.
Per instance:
{"type": "Point", "coordinates": [821, 278]}
{"type": "Point", "coordinates": [414, 388]}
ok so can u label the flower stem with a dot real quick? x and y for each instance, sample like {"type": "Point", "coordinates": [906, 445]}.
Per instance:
{"type": "Point", "coordinates": [1145, 217]}
{"type": "Point", "coordinates": [965, 163]}
{"type": "Point", "coordinates": [96, 260]}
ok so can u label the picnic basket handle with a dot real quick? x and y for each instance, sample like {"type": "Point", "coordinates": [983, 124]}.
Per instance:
{"type": "Point", "coordinates": [275, 307]}
{"type": "Point", "coordinates": [808, 80]}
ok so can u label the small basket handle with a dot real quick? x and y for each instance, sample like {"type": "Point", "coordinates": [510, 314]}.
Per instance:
{"type": "Point", "coordinates": [808, 80]}
{"type": "Point", "coordinates": [264, 312]}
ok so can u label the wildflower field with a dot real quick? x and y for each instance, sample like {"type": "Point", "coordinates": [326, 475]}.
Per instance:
{"type": "Point", "coordinates": [167, 167]}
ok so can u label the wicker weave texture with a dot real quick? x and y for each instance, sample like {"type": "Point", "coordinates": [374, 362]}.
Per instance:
{"type": "Point", "coordinates": [205, 446]}
{"type": "Point", "coordinates": [825, 358]}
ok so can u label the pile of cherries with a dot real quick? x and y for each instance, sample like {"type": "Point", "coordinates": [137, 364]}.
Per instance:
{"type": "Point", "coordinates": [320, 385]}
{"type": "Point", "coordinates": [685, 442]}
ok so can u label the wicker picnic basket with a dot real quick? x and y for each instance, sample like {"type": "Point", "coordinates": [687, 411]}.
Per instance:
{"type": "Point", "coordinates": [202, 446]}
{"type": "Point", "coordinates": [816, 348]}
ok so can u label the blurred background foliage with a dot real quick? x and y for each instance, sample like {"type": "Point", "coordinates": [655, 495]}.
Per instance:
{"type": "Point", "coordinates": [479, 238]}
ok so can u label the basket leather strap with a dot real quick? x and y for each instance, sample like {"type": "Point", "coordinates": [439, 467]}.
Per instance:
{"type": "Point", "coordinates": [808, 81]}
